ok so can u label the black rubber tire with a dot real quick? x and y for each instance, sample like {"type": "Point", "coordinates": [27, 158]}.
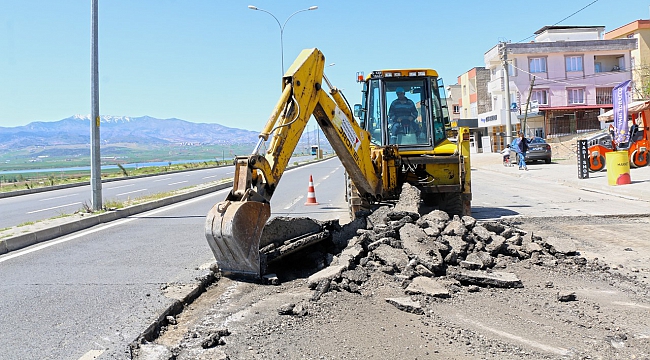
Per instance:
{"type": "Point", "coordinates": [451, 203]}
{"type": "Point", "coordinates": [355, 201]}
{"type": "Point", "coordinates": [547, 161]}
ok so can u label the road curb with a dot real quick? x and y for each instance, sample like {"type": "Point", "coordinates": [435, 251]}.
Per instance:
{"type": "Point", "coordinates": [28, 239]}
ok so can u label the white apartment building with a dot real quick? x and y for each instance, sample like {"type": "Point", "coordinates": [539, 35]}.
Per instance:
{"type": "Point", "coordinates": [568, 72]}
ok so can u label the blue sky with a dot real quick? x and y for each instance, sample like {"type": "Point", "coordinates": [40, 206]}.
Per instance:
{"type": "Point", "coordinates": [216, 61]}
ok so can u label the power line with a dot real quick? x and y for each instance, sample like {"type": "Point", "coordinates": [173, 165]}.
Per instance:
{"type": "Point", "coordinates": [586, 6]}
{"type": "Point", "coordinates": [545, 81]}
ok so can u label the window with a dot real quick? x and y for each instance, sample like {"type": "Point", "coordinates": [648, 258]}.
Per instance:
{"type": "Point", "coordinates": [604, 95]}
{"type": "Point", "coordinates": [407, 118]}
{"type": "Point", "coordinates": [537, 65]}
{"type": "Point", "coordinates": [374, 124]}
{"type": "Point", "coordinates": [540, 95]}
{"type": "Point", "coordinates": [511, 67]}
{"type": "Point", "coordinates": [576, 96]}
{"type": "Point", "coordinates": [456, 109]}
{"type": "Point", "coordinates": [573, 63]}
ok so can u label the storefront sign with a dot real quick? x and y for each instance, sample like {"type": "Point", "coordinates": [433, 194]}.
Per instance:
{"type": "Point", "coordinates": [583, 159]}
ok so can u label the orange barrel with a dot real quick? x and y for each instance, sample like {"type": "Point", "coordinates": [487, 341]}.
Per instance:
{"type": "Point", "coordinates": [618, 167]}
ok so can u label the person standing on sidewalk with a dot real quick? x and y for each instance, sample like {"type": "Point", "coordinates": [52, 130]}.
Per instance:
{"type": "Point", "coordinates": [523, 147]}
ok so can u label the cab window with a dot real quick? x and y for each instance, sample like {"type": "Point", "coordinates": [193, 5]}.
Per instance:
{"type": "Point", "coordinates": [406, 102]}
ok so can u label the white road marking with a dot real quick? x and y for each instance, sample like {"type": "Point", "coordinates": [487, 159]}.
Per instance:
{"type": "Point", "coordinates": [631, 304]}
{"type": "Point", "coordinates": [228, 173]}
{"type": "Point", "coordinates": [178, 182]}
{"type": "Point", "coordinates": [55, 207]}
{"type": "Point", "coordinates": [92, 354]}
{"type": "Point", "coordinates": [548, 348]}
{"type": "Point", "coordinates": [163, 179]}
{"type": "Point", "coordinates": [58, 197]}
{"type": "Point", "coordinates": [131, 192]}
{"type": "Point", "coordinates": [294, 202]}
{"type": "Point", "coordinates": [18, 253]}
{"type": "Point", "coordinates": [117, 187]}
{"type": "Point", "coordinates": [207, 177]}
{"type": "Point", "coordinates": [15, 254]}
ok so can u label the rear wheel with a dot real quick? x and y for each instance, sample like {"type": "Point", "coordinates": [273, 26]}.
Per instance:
{"type": "Point", "coordinates": [638, 158]}
{"type": "Point", "coordinates": [596, 163]}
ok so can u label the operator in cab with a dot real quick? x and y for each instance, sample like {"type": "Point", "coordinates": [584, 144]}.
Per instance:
{"type": "Point", "coordinates": [402, 114]}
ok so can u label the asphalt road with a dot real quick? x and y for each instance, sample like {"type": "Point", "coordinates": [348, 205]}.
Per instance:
{"type": "Point", "coordinates": [44, 205]}
{"type": "Point", "coordinates": [93, 292]}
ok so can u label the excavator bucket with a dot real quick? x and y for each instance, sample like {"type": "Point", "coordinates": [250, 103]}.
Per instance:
{"type": "Point", "coordinates": [233, 230]}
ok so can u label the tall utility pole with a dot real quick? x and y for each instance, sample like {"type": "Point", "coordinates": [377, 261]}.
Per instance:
{"type": "Point", "coordinates": [530, 92]}
{"type": "Point", "coordinates": [95, 159]}
{"type": "Point", "coordinates": [506, 75]}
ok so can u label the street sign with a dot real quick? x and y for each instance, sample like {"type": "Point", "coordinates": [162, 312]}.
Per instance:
{"type": "Point", "coordinates": [583, 159]}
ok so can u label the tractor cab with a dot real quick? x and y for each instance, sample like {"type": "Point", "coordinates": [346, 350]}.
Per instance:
{"type": "Point", "coordinates": [404, 107]}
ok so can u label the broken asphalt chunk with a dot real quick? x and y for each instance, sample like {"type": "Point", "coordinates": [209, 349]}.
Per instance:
{"type": "Point", "coordinates": [484, 278]}
{"type": "Point", "coordinates": [427, 286]}
{"type": "Point", "coordinates": [406, 304]}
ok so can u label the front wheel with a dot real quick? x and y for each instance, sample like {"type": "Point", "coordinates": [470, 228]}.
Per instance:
{"type": "Point", "coordinates": [596, 163]}
{"type": "Point", "coordinates": [355, 201]}
{"type": "Point", "coordinates": [452, 204]}
{"type": "Point", "coordinates": [639, 158]}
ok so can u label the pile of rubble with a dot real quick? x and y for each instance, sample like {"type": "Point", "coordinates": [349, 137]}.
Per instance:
{"type": "Point", "coordinates": [426, 254]}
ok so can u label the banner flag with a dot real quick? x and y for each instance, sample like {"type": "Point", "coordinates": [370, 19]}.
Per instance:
{"type": "Point", "coordinates": [620, 100]}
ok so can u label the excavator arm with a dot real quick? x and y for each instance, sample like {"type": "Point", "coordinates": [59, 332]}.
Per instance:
{"type": "Point", "coordinates": [234, 226]}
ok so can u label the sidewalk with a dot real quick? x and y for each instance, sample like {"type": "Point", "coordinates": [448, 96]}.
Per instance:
{"type": "Point", "coordinates": [565, 172]}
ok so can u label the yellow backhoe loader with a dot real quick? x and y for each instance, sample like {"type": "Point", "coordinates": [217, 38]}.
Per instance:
{"type": "Point", "coordinates": [400, 137]}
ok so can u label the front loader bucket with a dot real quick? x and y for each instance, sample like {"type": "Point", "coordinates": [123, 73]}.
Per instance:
{"type": "Point", "coordinates": [233, 230]}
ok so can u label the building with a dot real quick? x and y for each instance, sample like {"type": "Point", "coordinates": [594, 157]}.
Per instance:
{"type": "Point", "coordinates": [640, 57]}
{"type": "Point", "coordinates": [453, 101]}
{"type": "Point", "coordinates": [474, 99]}
{"type": "Point", "coordinates": [558, 83]}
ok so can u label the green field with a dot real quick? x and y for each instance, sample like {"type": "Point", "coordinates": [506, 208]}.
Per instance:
{"type": "Point", "coordinates": [46, 159]}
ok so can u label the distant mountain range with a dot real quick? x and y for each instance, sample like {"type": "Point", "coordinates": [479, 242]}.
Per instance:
{"type": "Point", "coordinates": [143, 130]}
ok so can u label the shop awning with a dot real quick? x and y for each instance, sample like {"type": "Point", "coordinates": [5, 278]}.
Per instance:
{"type": "Point", "coordinates": [633, 107]}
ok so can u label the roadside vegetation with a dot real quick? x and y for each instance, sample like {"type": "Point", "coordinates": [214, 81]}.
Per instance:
{"type": "Point", "coordinates": [21, 181]}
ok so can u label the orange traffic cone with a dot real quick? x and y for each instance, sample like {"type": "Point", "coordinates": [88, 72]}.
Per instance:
{"type": "Point", "coordinates": [311, 195]}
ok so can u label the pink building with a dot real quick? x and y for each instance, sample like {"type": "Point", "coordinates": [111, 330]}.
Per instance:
{"type": "Point", "coordinates": [568, 73]}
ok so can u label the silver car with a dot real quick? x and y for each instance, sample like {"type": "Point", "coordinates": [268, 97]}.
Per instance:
{"type": "Point", "coordinates": [538, 149]}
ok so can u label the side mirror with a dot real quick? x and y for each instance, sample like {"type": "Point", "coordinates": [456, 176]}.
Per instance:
{"type": "Point", "coordinates": [358, 110]}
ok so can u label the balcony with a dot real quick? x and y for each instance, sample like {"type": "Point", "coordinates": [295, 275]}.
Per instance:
{"type": "Point", "coordinates": [496, 85]}
{"type": "Point", "coordinates": [609, 63]}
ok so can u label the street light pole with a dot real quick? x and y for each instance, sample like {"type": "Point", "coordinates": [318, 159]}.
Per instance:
{"type": "Point", "coordinates": [282, 27]}
{"type": "Point", "coordinates": [95, 159]}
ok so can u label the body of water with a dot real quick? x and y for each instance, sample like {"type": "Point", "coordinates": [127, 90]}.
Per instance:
{"type": "Point", "coordinates": [104, 167]}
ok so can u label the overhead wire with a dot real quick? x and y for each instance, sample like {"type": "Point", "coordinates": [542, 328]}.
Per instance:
{"type": "Point", "coordinates": [586, 6]}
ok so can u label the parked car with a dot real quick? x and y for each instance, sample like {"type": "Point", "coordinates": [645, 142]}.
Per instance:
{"type": "Point", "coordinates": [538, 149]}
